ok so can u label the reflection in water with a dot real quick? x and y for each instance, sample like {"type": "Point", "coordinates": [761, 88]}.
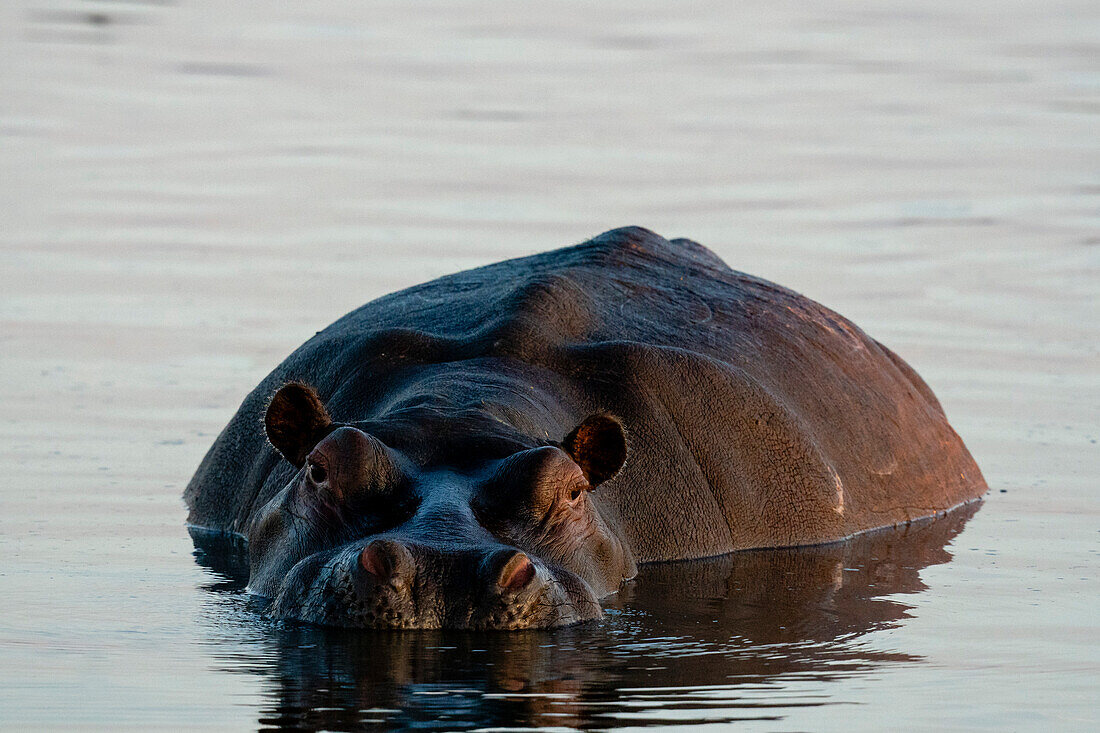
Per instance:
{"type": "Point", "coordinates": [746, 636]}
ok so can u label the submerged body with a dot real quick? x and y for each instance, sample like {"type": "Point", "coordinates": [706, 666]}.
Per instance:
{"type": "Point", "coordinates": [502, 446]}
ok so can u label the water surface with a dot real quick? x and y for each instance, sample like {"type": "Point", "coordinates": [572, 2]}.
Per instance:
{"type": "Point", "coordinates": [190, 190]}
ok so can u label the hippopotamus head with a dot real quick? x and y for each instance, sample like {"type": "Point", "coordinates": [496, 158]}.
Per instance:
{"type": "Point", "coordinates": [363, 535]}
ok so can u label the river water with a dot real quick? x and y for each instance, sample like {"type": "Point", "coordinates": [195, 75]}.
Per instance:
{"type": "Point", "coordinates": [190, 190]}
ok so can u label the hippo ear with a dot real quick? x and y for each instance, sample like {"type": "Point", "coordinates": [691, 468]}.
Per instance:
{"type": "Point", "coordinates": [296, 421]}
{"type": "Point", "coordinates": [598, 445]}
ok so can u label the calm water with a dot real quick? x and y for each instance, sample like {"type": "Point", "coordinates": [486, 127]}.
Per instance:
{"type": "Point", "coordinates": [188, 191]}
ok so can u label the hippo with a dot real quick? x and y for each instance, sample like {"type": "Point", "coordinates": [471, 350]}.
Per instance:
{"type": "Point", "coordinates": [501, 448]}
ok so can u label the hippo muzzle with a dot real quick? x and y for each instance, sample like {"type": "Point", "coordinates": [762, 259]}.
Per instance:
{"type": "Point", "coordinates": [391, 584]}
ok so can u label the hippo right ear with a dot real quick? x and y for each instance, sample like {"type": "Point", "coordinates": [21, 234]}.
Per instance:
{"type": "Point", "coordinates": [295, 421]}
{"type": "Point", "coordinates": [598, 446]}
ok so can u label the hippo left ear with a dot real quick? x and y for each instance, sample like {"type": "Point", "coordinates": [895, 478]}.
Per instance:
{"type": "Point", "coordinates": [295, 421]}
{"type": "Point", "coordinates": [598, 445]}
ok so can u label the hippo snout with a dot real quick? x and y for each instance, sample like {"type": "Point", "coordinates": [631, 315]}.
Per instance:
{"type": "Point", "coordinates": [393, 583]}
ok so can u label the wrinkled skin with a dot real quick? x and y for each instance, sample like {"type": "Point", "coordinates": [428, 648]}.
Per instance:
{"type": "Point", "coordinates": [500, 448]}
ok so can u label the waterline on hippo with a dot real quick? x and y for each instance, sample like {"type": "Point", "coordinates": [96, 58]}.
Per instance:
{"type": "Point", "coordinates": [501, 447]}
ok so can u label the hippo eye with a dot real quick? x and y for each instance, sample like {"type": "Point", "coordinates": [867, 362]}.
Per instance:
{"type": "Point", "coordinates": [317, 473]}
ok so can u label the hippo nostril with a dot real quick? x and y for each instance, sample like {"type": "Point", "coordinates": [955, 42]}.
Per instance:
{"type": "Point", "coordinates": [384, 560]}
{"type": "Point", "coordinates": [516, 573]}
{"type": "Point", "coordinates": [376, 561]}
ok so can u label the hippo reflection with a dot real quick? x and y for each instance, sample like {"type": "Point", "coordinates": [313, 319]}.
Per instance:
{"type": "Point", "coordinates": [737, 622]}
{"type": "Point", "coordinates": [502, 447]}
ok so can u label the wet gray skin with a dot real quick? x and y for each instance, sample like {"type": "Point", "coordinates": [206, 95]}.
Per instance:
{"type": "Point", "coordinates": [363, 537]}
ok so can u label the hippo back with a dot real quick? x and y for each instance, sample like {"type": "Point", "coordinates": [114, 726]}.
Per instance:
{"type": "Point", "coordinates": [755, 416]}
